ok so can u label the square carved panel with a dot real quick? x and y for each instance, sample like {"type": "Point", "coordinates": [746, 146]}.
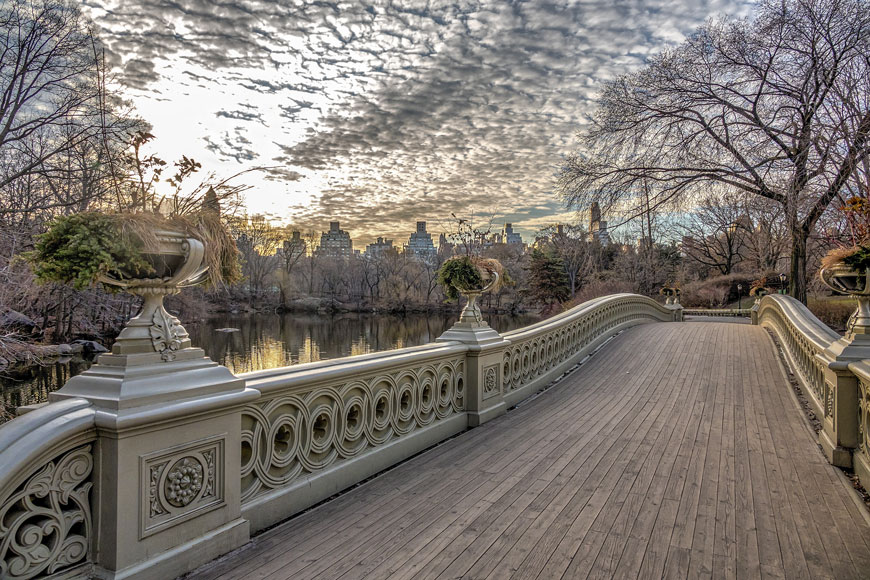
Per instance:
{"type": "Point", "coordinates": [180, 483]}
{"type": "Point", "coordinates": [491, 382]}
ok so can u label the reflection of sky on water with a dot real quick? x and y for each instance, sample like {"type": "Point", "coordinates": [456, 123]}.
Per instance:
{"type": "Point", "coordinates": [265, 342]}
{"type": "Point", "coordinates": [276, 341]}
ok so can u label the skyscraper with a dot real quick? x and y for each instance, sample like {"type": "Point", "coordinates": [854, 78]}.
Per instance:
{"type": "Point", "coordinates": [420, 243]}
{"type": "Point", "coordinates": [335, 243]}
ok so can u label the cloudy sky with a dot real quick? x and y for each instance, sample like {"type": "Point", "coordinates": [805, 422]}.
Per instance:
{"type": "Point", "coordinates": [378, 114]}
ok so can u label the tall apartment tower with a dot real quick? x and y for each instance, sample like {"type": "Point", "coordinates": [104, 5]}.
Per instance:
{"type": "Point", "coordinates": [335, 243]}
{"type": "Point", "coordinates": [420, 243]}
{"type": "Point", "coordinates": [295, 247]}
{"type": "Point", "coordinates": [597, 226]}
{"type": "Point", "coordinates": [510, 236]}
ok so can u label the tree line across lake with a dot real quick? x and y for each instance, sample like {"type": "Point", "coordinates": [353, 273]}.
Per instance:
{"type": "Point", "coordinates": [728, 160]}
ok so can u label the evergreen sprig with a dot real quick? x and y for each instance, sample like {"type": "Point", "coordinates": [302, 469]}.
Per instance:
{"type": "Point", "coordinates": [77, 249]}
{"type": "Point", "coordinates": [859, 260]}
{"type": "Point", "coordinates": [457, 274]}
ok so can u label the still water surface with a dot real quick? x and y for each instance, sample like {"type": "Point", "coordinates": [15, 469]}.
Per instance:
{"type": "Point", "coordinates": [269, 341]}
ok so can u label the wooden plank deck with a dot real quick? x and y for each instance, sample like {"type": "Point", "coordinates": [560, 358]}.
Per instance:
{"type": "Point", "coordinates": [677, 451]}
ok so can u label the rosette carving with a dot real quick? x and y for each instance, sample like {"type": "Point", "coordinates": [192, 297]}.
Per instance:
{"type": "Point", "coordinates": [184, 481]}
{"type": "Point", "coordinates": [45, 525]}
{"type": "Point", "coordinates": [181, 482]}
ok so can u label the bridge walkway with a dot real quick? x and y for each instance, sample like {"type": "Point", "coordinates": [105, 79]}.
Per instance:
{"type": "Point", "coordinates": [678, 451]}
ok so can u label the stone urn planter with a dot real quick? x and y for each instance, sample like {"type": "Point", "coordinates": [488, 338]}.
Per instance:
{"type": "Point", "coordinates": [758, 292]}
{"type": "Point", "coordinates": [672, 295]}
{"type": "Point", "coordinates": [471, 312]}
{"type": "Point", "coordinates": [177, 263]}
{"type": "Point", "coordinates": [145, 254]}
{"type": "Point", "coordinates": [470, 277]}
{"type": "Point", "coordinates": [840, 277]}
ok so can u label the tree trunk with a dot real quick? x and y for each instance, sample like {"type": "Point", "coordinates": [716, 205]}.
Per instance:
{"type": "Point", "coordinates": [798, 275]}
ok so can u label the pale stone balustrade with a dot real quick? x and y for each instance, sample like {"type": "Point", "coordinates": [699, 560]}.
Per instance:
{"type": "Point", "coordinates": [144, 467]}
{"type": "Point", "coordinates": [147, 468]}
{"type": "Point", "coordinates": [823, 361]}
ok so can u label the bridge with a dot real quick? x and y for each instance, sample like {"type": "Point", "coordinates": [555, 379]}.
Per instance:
{"type": "Point", "coordinates": [613, 440]}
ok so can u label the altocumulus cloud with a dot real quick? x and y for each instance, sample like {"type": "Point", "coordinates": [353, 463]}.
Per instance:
{"type": "Point", "coordinates": [379, 114]}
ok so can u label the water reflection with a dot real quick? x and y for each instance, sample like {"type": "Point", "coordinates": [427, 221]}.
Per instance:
{"type": "Point", "coordinates": [268, 341]}
{"type": "Point", "coordinates": [30, 385]}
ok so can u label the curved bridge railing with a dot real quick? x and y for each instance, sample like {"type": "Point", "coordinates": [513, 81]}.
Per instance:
{"type": "Point", "coordinates": [834, 372]}
{"type": "Point", "coordinates": [143, 467]}
{"type": "Point", "coordinates": [718, 312]}
{"type": "Point", "coordinates": [540, 353]}
{"type": "Point", "coordinates": [321, 427]}
{"type": "Point", "coordinates": [804, 339]}
{"type": "Point", "coordinates": [46, 476]}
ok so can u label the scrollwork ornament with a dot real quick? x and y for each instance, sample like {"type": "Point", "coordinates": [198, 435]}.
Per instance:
{"type": "Point", "coordinates": [209, 457]}
{"type": "Point", "coordinates": [156, 506]}
{"type": "Point", "coordinates": [165, 334]}
{"type": "Point", "coordinates": [45, 524]}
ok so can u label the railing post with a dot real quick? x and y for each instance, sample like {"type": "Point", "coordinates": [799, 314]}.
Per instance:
{"type": "Point", "coordinates": [677, 309]}
{"type": "Point", "coordinates": [839, 434]}
{"type": "Point", "coordinates": [484, 399]}
{"type": "Point", "coordinates": [168, 453]}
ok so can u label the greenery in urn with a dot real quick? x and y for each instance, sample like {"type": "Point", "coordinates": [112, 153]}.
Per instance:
{"type": "Point", "coordinates": [670, 290]}
{"type": "Point", "coordinates": [81, 248]}
{"type": "Point", "coordinates": [855, 253]}
{"type": "Point", "coordinates": [463, 273]}
{"type": "Point", "coordinates": [759, 288]}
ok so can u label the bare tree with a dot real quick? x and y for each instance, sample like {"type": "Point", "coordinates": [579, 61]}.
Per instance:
{"type": "Point", "coordinates": [257, 241]}
{"type": "Point", "coordinates": [776, 107]}
{"type": "Point", "coordinates": [766, 245]}
{"type": "Point", "coordinates": [714, 233]}
{"type": "Point", "coordinates": [57, 120]}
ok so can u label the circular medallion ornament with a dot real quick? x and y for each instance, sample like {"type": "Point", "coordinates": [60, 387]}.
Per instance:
{"type": "Point", "coordinates": [184, 481]}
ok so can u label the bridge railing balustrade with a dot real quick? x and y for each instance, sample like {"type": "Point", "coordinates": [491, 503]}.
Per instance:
{"type": "Point", "coordinates": [834, 373]}
{"type": "Point", "coordinates": [148, 465]}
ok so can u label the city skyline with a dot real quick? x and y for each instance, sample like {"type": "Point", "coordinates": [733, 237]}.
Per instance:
{"type": "Point", "coordinates": [403, 241]}
{"type": "Point", "coordinates": [378, 116]}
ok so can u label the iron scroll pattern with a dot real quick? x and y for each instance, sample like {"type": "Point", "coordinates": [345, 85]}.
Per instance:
{"type": "Point", "coordinates": [45, 524]}
{"type": "Point", "coordinates": [533, 357]}
{"type": "Point", "coordinates": [289, 435]}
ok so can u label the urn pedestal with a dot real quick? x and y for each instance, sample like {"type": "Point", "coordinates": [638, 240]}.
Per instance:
{"type": "Point", "coordinates": [839, 434]}
{"type": "Point", "coordinates": [169, 434]}
{"type": "Point", "coordinates": [483, 362]}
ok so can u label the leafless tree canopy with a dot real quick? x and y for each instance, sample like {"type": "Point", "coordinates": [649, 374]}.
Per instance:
{"type": "Point", "coordinates": [776, 106]}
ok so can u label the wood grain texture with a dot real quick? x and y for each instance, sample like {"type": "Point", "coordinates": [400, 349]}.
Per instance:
{"type": "Point", "coordinates": [677, 451]}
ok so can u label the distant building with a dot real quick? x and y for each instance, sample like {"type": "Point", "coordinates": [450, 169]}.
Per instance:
{"type": "Point", "coordinates": [335, 243]}
{"type": "Point", "coordinates": [597, 226]}
{"type": "Point", "coordinates": [377, 249]}
{"type": "Point", "coordinates": [420, 243]}
{"type": "Point", "coordinates": [445, 248]}
{"type": "Point", "coordinates": [510, 236]}
{"type": "Point", "coordinates": [294, 248]}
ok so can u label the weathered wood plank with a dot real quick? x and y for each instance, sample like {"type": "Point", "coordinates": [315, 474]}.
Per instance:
{"type": "Point", "coordinates": [675, 452]}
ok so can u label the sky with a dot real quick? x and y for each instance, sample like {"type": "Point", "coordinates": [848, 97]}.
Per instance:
{"type": "Point", "coordinates": [379, 114]}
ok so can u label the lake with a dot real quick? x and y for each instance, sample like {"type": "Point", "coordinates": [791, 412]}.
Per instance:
{"type": "Point", "coordinates": [262, 341]}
